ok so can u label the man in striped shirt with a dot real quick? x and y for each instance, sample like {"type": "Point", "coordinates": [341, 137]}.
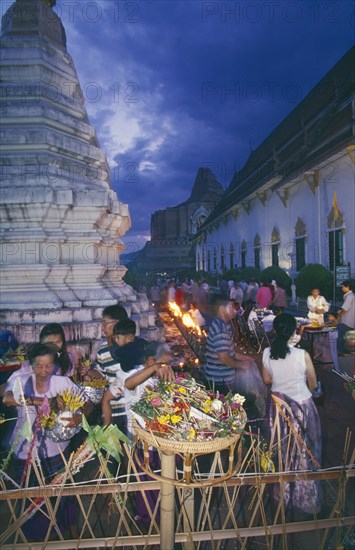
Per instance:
{"type": "Point", "coordinates": [106, 365]}
{"type": "Point", "coordinates": [221, 358]}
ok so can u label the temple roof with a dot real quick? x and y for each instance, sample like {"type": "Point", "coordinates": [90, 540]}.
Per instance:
{"type": "Point", "coordinates": [318, 126]}
{"type": "Point", "coordinates": [205, 188]}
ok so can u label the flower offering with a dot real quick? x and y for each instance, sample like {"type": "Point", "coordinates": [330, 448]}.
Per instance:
{"type": "Point", "coordinates": [184, 410]}
{"type": "Point", "coordinates": [94, 389]}
{"type": "Point", "coordinates": [56, 421]}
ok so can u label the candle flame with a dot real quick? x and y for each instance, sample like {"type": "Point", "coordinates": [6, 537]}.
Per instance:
{"type": "Point", "coordinates": [175, 309]}
{"type": "Point", "coordinates": [186, 319]}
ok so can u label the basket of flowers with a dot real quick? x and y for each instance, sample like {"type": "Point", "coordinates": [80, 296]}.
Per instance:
{"type": "Point", "coordinates": [184, 417]}
{"type": "Point", "coordinates": [55, 422]}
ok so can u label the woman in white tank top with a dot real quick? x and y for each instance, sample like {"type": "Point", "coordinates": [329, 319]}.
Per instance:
{"type": "Point", "coordinates": [292, 377]}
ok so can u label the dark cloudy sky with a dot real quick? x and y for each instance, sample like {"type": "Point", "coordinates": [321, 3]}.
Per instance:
{"type": "Point", "coordinates": [172, 85]}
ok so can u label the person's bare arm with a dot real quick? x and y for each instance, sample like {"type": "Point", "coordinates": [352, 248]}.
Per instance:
{"type": "Point", "coordinates": [90, 374]}
{"type": "Point", "coordinates": [106, 407]}
{"type": "Point", "coordinates": [164, 372]}
{"type": "Point", "coordinates": [240, 362]}
{"type": "Point", "coordinates": [266, 375]}
{"type": "Point", "coordinates": [310, 373]}
{"type": "Point", "coordinates": [78, 417]}
{"type": "Point", "coordinates": [141, 376]}
{"type": "Point", "coordinates": [9, 400]}
{"type": "Point", "coordinates": [241, 357]}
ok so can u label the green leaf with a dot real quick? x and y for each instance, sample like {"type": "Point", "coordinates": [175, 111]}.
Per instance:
{"type": "Point", "coordinates": [108, 438]}
{"type": "Point", "coordinates": [26, 431]}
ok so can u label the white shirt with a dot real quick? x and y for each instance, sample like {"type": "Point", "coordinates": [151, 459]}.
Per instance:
{"type": "Point", "coordinates": [349, 307]}
{"type": "Point", "coordinates": [171, 294]}
{"type": "Point", "coordinates": [197, 317]}
{"type": "Point", "coordinates": [289, 375]}
{"type": "Point", "coordinates": [45, 446]}
{"type": "Point", "coordinates": [268, 321]}
{"type": "Point", "coordinates": [251, 319]}
{"type": "Point", "coordinates": [133, 396]}
{"type": "Point", "coordinates": [317, 303]}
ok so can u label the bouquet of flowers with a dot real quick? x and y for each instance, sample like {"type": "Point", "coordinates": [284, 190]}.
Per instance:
{"type": "Point", "coordinates": [184, 410]}
{"type": "Point", "coordinates": [93, 388]}
{"type": "Point", "coordinates": [56, 420]}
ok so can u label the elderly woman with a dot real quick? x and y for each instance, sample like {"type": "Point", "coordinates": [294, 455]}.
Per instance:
{"type": "Point", "coordinates": [27, 393]}
{"type": "Point", "coordinates": [52, 334]}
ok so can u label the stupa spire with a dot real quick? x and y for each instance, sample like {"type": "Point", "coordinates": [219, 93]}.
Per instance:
{"type": "Point", "coordinates": [60, 220]}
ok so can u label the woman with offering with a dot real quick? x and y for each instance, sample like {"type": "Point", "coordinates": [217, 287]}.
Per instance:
{"type": "Point", "coordinates": [38, 396]}
{"type": "Point", "coordinates": [317, 306]}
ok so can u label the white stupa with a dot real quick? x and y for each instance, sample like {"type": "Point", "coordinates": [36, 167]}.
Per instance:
{"type": "Point", "coordinates": [61, 222]}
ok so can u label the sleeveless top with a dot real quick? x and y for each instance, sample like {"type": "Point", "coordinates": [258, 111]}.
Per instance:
{"type": "Point", "coordinates": [288, 375]}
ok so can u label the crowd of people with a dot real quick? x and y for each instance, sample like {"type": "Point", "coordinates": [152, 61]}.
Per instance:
{"type": "Point", "coordinates": [128, 364]}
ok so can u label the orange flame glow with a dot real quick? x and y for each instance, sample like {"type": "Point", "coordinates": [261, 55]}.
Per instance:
{"type": "Point", "coordinates": [175, 309]}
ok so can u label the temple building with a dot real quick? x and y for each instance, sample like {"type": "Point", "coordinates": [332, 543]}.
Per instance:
{"type": "Point", "coordinates": [61, 222]}
{"type": "Point", "coordinates": [171, 247]}
{"type": "Point", "coordinates": [293, 202]}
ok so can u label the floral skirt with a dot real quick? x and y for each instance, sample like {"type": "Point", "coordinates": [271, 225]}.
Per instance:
{"type": "Point", "coordinates": [296, 440]}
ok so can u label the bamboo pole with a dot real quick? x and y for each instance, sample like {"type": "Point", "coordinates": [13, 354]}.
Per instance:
{"type": "Point", "coordinates": [188, 503]}
{"type": "Point", "coordinates": [52, 491]}
{"type": "Point", "coordinates": [225, 534]}
{"type": "Point", "coordinates": [167, 503]}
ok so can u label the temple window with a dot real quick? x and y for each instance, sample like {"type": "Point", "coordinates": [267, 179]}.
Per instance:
{"type": "Point", "coordinates": [275, 246]}
{"type": "Point", "coordinates": [300, 244]}
{"type": "Point", "coordinates": [231, 256]}
{"type": "Point", "coordinates": [335, 238]}
{"type": "Point", "coordinates": [257, 251]}
{"type": "Point", "coordinates": [243, 254]}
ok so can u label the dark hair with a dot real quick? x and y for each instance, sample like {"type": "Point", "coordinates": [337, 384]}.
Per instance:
{"type": "Point", "coordinates": [115, 312]}
{"type": "Point", "coordinates": [38, 350]}
{"type": "Point", "coordinates": [284, 325]}
{"type": "Point", "coordinates": [63, 359]}
{"type": "Point", "coordinates": [249, 306]}
{"type": "Point", "coordinates": [217, 301]}
{"type": "Point", "coordinates": [156, 350]}
{"type": "Point", "coordinates": [277, 310]}
{"type": "Point", "coordinates": [125, 327]}
{"type": "Point", "coordinates": [347, 283]}
{"type": "Point", "coordinates": [332, 312]}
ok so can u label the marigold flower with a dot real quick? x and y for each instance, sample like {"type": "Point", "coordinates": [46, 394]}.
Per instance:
{"type": "Point", "coordinates": [164, 419]}
{"type": "Point", "coordinates": [182, 390]}
{"type": "Point", "coordinates": [175, 418]}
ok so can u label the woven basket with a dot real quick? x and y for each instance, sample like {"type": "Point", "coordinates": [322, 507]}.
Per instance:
{"type": "Point", "coordinates": [183, 447]}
